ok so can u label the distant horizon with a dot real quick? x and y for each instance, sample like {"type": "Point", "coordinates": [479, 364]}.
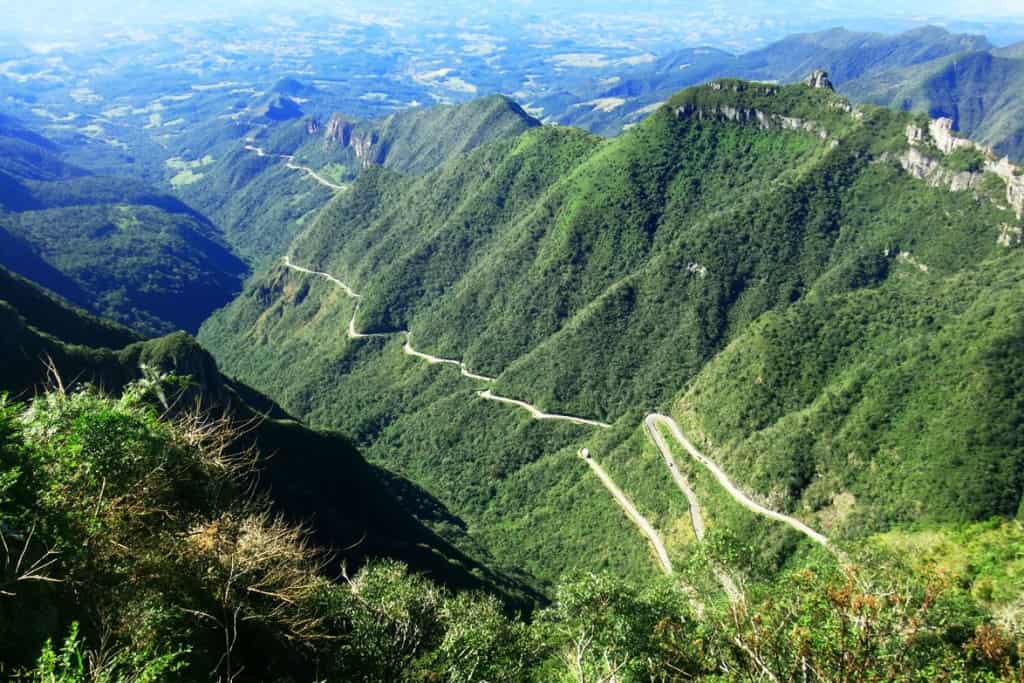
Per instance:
{"type": "Point", "coordinates": [651, 28]}
{"type": "Point", "coordinates": [82, 21]}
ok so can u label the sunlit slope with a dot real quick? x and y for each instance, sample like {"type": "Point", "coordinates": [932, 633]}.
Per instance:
{"type": "Point", "coordinates": [598, 279]}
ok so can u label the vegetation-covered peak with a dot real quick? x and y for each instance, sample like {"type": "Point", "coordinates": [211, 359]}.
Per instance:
{"type": "Point", "coordinates": [731, 98]}
{"type": "Point", "coordinates": [293, 88]}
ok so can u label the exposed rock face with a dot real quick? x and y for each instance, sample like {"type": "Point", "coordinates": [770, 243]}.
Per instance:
{"type": "Point", "coordinates": [697, 269]}
{"type": "Point", "coordinates": [338, 131]}
{"type": "Point", "coordinates": [366, 144]}
{"type": "Point", "coordinates": [1011, 236]}
{"type": "Point", "coordinates": [940, 134]}
{"type": "Point", "coordinates": [920, 165]}
{"type": "Point", "coordinates": [819, 79]}
{"type": "Point", "coordinates": [724, 112]}
{"type": "Point", "coordinates": [737, 86]}
{"type": "Point", "coordinates": [367, 149]}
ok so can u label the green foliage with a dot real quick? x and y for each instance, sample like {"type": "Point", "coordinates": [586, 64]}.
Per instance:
{"type": "Point", "coordinates": [805, 296]}
{"type": "Point", "coordinates": [310, 470]}
{"type": "Point", "coordinates": [141, 526]}
{"type": "Point", "coordinates": [605, 629]}
{"type": "Point", "coordinates": [50, 315]}
{"type": "Point", "coordinates": [393, 621]}
{"type": "Point", "coordinates": [113, 246]}
{"type": "Point", "coordinates": [965, 159]}
{"type": "Point", "coordinates": [845, 395]}
{"type": "Point", "coordinates": [71, 664]}
{"type": "Point", "coordinates": [262, 205]}
{"type": "Point", "coordinates": [984, 558]}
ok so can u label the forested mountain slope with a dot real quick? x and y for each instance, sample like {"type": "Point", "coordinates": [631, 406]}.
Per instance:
{"type": "Point", "coordinates": [112, 245]}
{"type": "Point", "coordinates": [260, 197]}
{"type": "Point", "coordinates": [846, 55]}
{"type": "Point", "coordinates": [982, 91]}
{"type": "Point", "coordinates": [314, 478]}
{"type": "Point", "coordinates": [607, 278]}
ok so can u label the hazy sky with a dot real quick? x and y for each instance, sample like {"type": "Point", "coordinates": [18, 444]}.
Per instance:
{"type": "Point", "coordinates": [57, 16]}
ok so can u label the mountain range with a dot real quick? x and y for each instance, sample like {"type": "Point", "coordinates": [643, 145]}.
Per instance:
{"type": "Point", "coordinates": [113, 245]}
{"type": "Point", "coordinates": [752, 258]}
{"type": "Point", "coordinates": [722, 379]}
{"type": "Point", "coordinates": [929, 70]}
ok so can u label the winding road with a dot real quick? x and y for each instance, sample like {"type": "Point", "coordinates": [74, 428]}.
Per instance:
{"type": "Point", "coordinates": [327, 276]}
{"type": "Point", "coordinates": [538, 414]}
{"type": "Point", "coordinates": [652, 423]}
{"type": "Point", "coordinates": [290, 163]}
{"type": "Point", "coordinates": [634, 515]}
{"type": "Point", "coordinates": [696, 518]}
{"type": "Point", "coordinates": [654, 420]}
{"type": "Point", "coordinates": [408, 349]}
{"type": "Point", "coordinates": [434, 360]}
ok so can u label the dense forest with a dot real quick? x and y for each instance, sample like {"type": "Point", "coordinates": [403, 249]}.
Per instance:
{"type": "Point", "coordinates": [754, 259]}
{"type": "Point", "coordinates": [134, 549]}
{"type": "Point", "coordinates": [115, 246]}
{"type": "Point", "coordinates": [424, 431]}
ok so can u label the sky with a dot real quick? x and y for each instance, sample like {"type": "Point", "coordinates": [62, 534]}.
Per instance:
{"type": "Point", "coordinates": [50, 17]}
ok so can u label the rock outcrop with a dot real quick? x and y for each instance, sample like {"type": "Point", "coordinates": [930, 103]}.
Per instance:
{"type": "Point", "coordinates": [338, 131]}
{"type": "Point", "coordinates": [765, 120]}
{"type": "Point", "coordinates": [819, 79]}
{"type": "Point", "coordinates": [939, 133]}
{"type": "Point", "coordinates": [367, 145]}
{"type": "Point", "coordinates": [918, 164]}
{"type": "Point", "coordinates": [1011, 236]}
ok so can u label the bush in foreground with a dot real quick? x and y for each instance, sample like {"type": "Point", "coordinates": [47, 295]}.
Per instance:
{"type": "Point", "coordinates": [133, 550]}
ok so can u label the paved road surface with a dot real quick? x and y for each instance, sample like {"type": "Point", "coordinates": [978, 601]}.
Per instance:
{"type": "Point", "coordinates": [290, 163]}
{"type": "Point", "coordinates": [634, 515]}
{"type": "Point", "coordinates": [653, 420]}
{"type": "Point", "coordinates": [538, 414]}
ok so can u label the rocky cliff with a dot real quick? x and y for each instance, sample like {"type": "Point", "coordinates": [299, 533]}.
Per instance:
{"type": "Point", "coordinates": [366, 144]}
{"type": "Point", "coordinates": [919, 161]}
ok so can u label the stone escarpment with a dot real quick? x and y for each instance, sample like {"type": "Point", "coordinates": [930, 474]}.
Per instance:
{"type": "Point", "coordinates": [919, 161]}
{"type": "Point", "coordinates": [757, 116]}
{"type": "Point", "coordinates": [367, 145]}
{"type": "Point", "coordinates": [766, 120]}
{"type": "Point", "coordinates": [819, 79]}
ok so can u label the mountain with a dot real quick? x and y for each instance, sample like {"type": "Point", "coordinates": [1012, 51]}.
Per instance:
{"type": "Point", "coordinates": [277, 108]}
{"type": "Point", "coordinates": [1011, 51]}
{"type": "Point", "coordinates": [979, 90]}
{"type": "Point", "coordinates": [845, 55]}
{"type": "Point", "coordinates": [314, 478]}
{"type": "Point", "coordinates": [751, 259]}
{"type": "Point", "coordinates": [261, 194]}
{"type": "Point", "coordinates": [113, 245]}
{"type": "Point", "coordinates": [291, 87]}
{"type": "Point", "coordinates": [164, 535]}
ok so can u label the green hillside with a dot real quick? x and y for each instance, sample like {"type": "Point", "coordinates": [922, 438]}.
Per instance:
{"type": "Point", "coordinates": [261, 204]}
{"type": "Point", "coordinates": [114, 246]}
{"type": "Point", "coordinates": [162, 566]}
{"type": "Point", "coordinates": [312, 477]}
{"type": "Point", "coordinates": [979, 90]}
{"type": "Point", "coordinates": [609, 278]}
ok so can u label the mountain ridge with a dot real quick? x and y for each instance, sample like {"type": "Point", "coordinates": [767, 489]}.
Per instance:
{"type": "Point", "coordinates": [117, 247]}
{"type": "Point", "coordinates": [268, 204]}
{"type": "Point", "coordinates": [594, 277]}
